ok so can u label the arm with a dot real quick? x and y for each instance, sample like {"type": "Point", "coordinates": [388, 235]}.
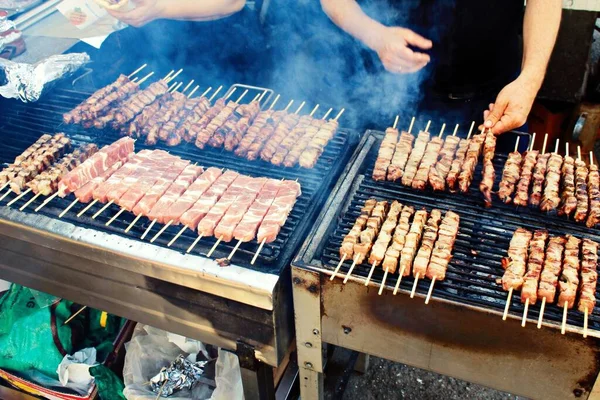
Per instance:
{"type": "Point", "coordinates": [514, 102]}
{"type": "Point", "coordinates": [191, 10]}
{"type": "Point", "coordinates": [390, 43]}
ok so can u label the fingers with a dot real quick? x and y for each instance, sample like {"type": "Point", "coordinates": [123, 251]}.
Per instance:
{"type": "Point", "coordinates": [403, 67]}
{"type": "Point", "coordinates": [135, 17]}
{"type": "Point", "coordinates": [415, 57]}
{"type": "Point", "coordinates": [414, 39]}
{"type": "Point", "coordinates": [496, 112]}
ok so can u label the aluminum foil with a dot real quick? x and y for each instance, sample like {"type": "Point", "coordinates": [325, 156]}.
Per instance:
{"type": "Point", "coordinates": [26, 82]}
{"type": "Point", "coordinates": [180, 375]}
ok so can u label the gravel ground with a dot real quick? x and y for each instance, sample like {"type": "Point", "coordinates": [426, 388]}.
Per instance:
{"type": "Point", "coordinates": [385, 380]}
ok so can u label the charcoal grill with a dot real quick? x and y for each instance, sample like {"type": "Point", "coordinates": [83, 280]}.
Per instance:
{"type": "Point", "coordinates": [461, 332]}
{"type": "Point", "coordinates": [241, 306]}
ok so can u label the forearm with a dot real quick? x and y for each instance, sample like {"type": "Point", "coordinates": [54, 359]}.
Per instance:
{"type": "Point", "coordinates": [540, 27]}
{"type": "Point", "coordinates": [206, 10]}
{"type": "Point", "coordinates": [348, 15]}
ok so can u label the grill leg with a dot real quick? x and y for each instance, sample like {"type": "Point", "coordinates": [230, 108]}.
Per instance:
{"type": "Point", "coordinates": [307, 306]}
{"type": "Point", "coordinates": [257, 377]}
{"type": "Point", "coordinates": [362, 364]}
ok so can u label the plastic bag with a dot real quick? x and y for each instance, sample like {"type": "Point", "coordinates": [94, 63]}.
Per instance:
{"type": "Point", "coordinates": [150, 349]}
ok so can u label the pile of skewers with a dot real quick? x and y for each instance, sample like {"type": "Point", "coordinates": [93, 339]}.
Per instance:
{"type": "Point", "coordinates": [553, 183]}
{"type": "Point", "coordinates": [384, 235]}
{"type": "Point", "coordinates": [164, 188]}
{"type": "Point", "coordinates": [161, 113]}
{"type": "Point", "coordinates": [538, 263]}
{"type": "Point", "coordinates": [443, 164]}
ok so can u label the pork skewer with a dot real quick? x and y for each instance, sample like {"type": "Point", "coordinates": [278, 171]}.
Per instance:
{"type": "Point", "coordinates": [423, 256]}
{"type": "Point", "coordinates": [581, 179]}
{"type": "Point", "coordinates": [589, 278]}
{"type": "Point", "coordinates": [489, 174]}
{"type": "Point", "coordinates": [471, 159]}
{"type": "Point", "coordinates": [535, 262]}
{"type": "Point", "coordinates": [316, 147]}
{"type": "Point", "coordinates": [521, 197]}
{"type": "Point", "coordinates": [569, 280]}
{"type": "Point", "coordinates": [261, 121]}
{"type": "Point", "coordinates": [416, 155]}
{"type": "Point", "coordinates": [442, 250]}
{"type": "Point", "coordinates": [402, 151]}
{"type": "Point", "coordinates": [439, 172]}
{"type": "Point", "coordinates": [458, 161]}
{"type": "Point", "coordinates": [539, 175]}
{"type": "Point", "coordinates": [428, 161]}
{"type": "Point", "coordinates": [593, 194]}
{"type": "Point", "coordinates": [311, 131]}
{"type": "Point", "coordinates": [367, 236]}
{"type": "Point", "coordinates": [411, 245]}
{"type": "Point", "coordinates": [266, 133]}
{"type": "Point", "coordinates": [386, 152]}
{"type": "Point", "coordinates": [551, 198]}
{"type": "Point", "coordinates": [283, 129]}
{"type": "Point", "coordinates": [515, 264]}
{"type": "Point", "coordinates": [392, 254]}
{"type": "Point", "coordinates": [550, 273]}
{"type": "Point", "coordinates": [568, 199]}
{"type": "Point", "coordinates": [510, 175]}
{"type": "Point", "coordinates": [384, 238]}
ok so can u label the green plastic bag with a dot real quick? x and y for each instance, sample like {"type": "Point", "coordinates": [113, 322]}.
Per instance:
{"type": "Point", "coordinates": [110, 387]}
{"type": "Point", "coordinates": [32, 337]}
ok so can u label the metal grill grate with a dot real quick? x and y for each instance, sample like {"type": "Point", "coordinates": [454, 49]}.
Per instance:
{"type": "Point", "coordinates": [483, 239]}
{"type": "Point", "coordinates": [22, 124]}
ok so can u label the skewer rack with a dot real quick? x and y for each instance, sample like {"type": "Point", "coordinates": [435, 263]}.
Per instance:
{"type": "Point", "coordinates": [460, 333]}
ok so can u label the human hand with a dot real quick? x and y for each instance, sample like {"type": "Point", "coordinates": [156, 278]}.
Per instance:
{"type": "Point", "coordinates": [512, 106]}
{"type": "Point", "coordinates": [392, 48]}
{"type": "Point", "coordinates": [145, 11]}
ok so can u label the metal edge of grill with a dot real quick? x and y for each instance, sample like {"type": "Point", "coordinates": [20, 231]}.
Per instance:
{"type": "Point", "coordinates": [471, 278]}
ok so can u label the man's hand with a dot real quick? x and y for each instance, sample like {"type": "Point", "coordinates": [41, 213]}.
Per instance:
{"type": "Point", "coordinates": [392, 48]}
{"type": "Point", "coordinates": [145, 11]}
{"type": "Point", "coordinates": [512, 106]}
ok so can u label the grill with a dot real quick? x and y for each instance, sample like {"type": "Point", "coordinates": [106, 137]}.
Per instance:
{"type": "Point", "coordinates": [22, 124]}
{"type": "Point", "coordinates": [483, 239]}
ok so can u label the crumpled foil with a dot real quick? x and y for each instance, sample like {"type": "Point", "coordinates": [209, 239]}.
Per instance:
{"type": "Point", "coordinates": [26, 82]}
{"type": "Point", "coordinates": [180, 375]}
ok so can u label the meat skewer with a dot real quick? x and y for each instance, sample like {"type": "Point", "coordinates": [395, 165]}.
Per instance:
{"type": "Point", "coordinates": [589, 278]}
{"type": "Point", "coordinates": [266, 133]}
{"type": "Point", "coordinates": [282, 130]}
{"type": "Point", "coordinates": [384, 238]}
{"type": "Point", "coordinates": [416, 156]}
{"type": "Point", "coordinates": [259, 123]}
{"type": "Point", "coordinates": [458, 161]}
{"type": "Point", "coordinates": [471, 159]}
{"type": "Point", "coordinates": [392, 254]}
{"type": "Point", "coordinates": [313, 129]}
{"type": "Point", "coordinates": [439, 172]}
{"type": "Point", "coordinates": [411, 245]}
{"type": "Point", "coordinates": [442, 250]}
{"type": "Point", "coordinates": [515, 264]}
{"type": "Point", "coordinates": [510, 175]}
{"type": "Point", "coordinates": [551, 198]}
{"type": "Point", "coordinates": [550, 273]}
{"type": "Point", "coordinates": [535, 262]}
{"type": "Point", "coordinates": [428, 161]}
{"type": "Point", "coordinates": [402, 152]}
{"type": "Point", "coordinates": [424, 254]}
{"type": "Point", "coordinates": [521, 197]}
{"type": "Point", "coordinates": [569, 280]}
{"type": "Point", "coordinates": [221, 112]}
{"type": "Point", "coordinates": [367, 236]}
{"type": "Point", "coordinates": [593, 194]}
{"type": "Point", "coordinates": [386, 152]}
{"type": "Point", "coordinates": [581, 193]}
{"type": "Point", "coordinates": [489, 174]}
{"type": "Point", "coordinates": [539, 175]}
{"type": "Point", "coordinates": [316, 147]}
{"type": "Point", "coordinates": [568, 199]}
{"type": "Point", "coordinates": [295, 135]}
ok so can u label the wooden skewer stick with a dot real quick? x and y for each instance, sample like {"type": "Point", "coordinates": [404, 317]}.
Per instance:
{"type": "Point", "coordinates": [6, 194]}
{"type": "Point", "coordinates": [264, 93]}
{"type": "Point", "coordinates": [132, 224]}
{"type": "Point", "coordinates": [102, 209]}
{"type": "Point", "coordinates": [398, 283]}
{"type": "Point", "coordinates": [19, 197]}
{"type": "Point", "coordinates": [300, 108]}
{"type": "Point", "coordinates": [168, 75]}
{"type": "Point", "coordinates": [177, 87]}
{"type": "Point", "coordinates": [258, 252]}
{"type": "Point", "coordinates": [442, 130]}
{"type": "Point", "coordinates": [517, 143]}
{"type": "Point", "coordinates": [212, 250]}
{"type": "Point", "coordinates": [524, 320]}
{"type": "Point", "coordinates": [339, 114]}
{"type": "Point", "coordinates": [508, 299]}
{"type": "Point", "coordinates": [256, 97]}
{"type": "Point", "coordinates": [215, 94]}
{"type": "Point", "coordinates": [314, 110]}
{"type": "Point", "coordinates": [585, 323]}
{"type": "Point", "coordinates": [48, 200]}
{"type": "Point", "coordinates": [30, 201]}
{"type": "Point", "coordinates": [556, 146]}
{"type": "Point", "coordinates": [134, 79]}
{"type": "Point", "coordinates": [189, 250]}
{"type": "Point", "coordinates": [455, 130]}
{"type": "Point", "coordinates": [5, 185]}
{"type": "Point", "coordinates": [194, 91]}
{"type": "Point", "coordinates": [327, 113]}
{"type": "Point", "coordinates": [563, 327]}
{"type": "Point", "coordinates": [172, 77]}
{"type": "Point", "coordinates": [541, 318]}
{"type": "Point", "coordinates": [567, 149]}
{"type": "Point", "coordinates": [164, 228]}
{"type": "Point", "coordinates": [177, 236]}
{"type": "Point", "coordinates": [187, 86]}
{"type": "Point", "coordinates": [205, 92]}
{"type": "Point", "coordinates": [591, 158]}
{"type": "Point", "coordinates": [579, 153]}
{"type": "Point", "coordinates": [351, 269]}
{"type": "Point", "coordinates": [110, 221]}
{"type": "Point", "coordinates": [370, 274]}
{"type": "Point", "coordinates": [74, 315]}
{"type": "Point", "coordinates": [430, 291]}
{"type": "Point", "coordinates": [242, 96]}
{"type": "Point", "coordinates": [427, 126]}
{"type": "Point", "coordinates": [148, 229]}
{"type": "Point", "coordinates": [532, 142]}
{"type": "Point", "coordinates": [385, 274]}
{"type": "Point", "coordinates": [289, 105]}
{"type": "Point", "coordinates": [396, 122]}
{"type": "Point", "coordinates": [146, 78]}
{"type": "Point", "coordinates": [86, 208]}
{"type": "Point", "coordinates": [412, 122]}
{"type": "Point", "coordinates": [471, 129]}
{"type": "Point", "coordinates": [237, 246]}
{"type": "Point", "coordinates": [274, 102]}
{"type": "Point", "coordinates": [172, 87]}
{"type": "Point", "coordinates": [414, 288]}
{"type": "Point", "coordinates": [137, 70]}
{"type": "Point", "coordinates": [228, 95]}
{"type": "Point", "coordinates": [545, 143]}
{"type": "Point", "coordinates": [337, 268]}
